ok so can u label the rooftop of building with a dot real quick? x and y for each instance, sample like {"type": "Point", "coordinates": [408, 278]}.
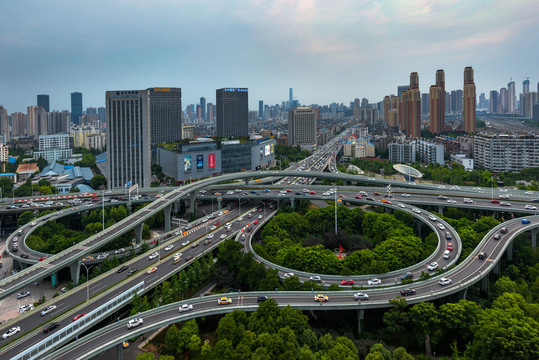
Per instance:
{"type": "Point", "coordinates": [69, 170]}
{"type": "Point", "coordinates": [27, 168]}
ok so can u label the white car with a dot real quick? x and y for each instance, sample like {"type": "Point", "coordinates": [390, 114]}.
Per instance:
{"type": "Point", "coordinates": [153, 256]}
{"type": "Point", "coordinates": [287, 275]}
{"type": "Point", "coordinates": [48, 309]}
{"type": "Point", "coordinates": [468, 201]}
{"type": "Point", "coordinates": [25, 308]}
{"type": "Point", "coordinates": [11, 332]}
{"type": "Point", "coordinates": [315, 278]}
{"type": "Point", "coordinates": [220, 214]}
{"type": "Point", "coordinates": [241, 218]}
{"type": "Point", "coordinates": [416, 210]}
{"type": "Point", "coordinates": [433, 218]}
{"type": "Point", "coordinates": [119, 251]}
{"type": "Point", "coordinates": [441, 226]}
{"type": "Point", "coordinates": [209, 236]}
{"type": "Point", "coordinates": [134, 323]}
{"type": "Point", "coordinates": [101, 256]}
{"type": "Point", "coordinates": [223, 236]}
{"type": "Point", "coordinates": [260, 217]}
{"type": "Point", "coordinates": [402, 205]}
{"type": "Point", "coordinates": [185, 243]}
{"type": "Point", "coordinates": [374, 281]}
{"type": "Point", "coordinates": [169, 247]}
{"type": "Point", "coordinates": [444, 281]}
{"type": "Point", "coordinates": [530, 207]}
{"type": "Point", "coordinates": [213, 228]}
{"type": "Point", "coordinates": [361, 296]}
{"type": "Point", "coordinates": [185, 307]}
{"type": "Point", "coordinates": [451, 201]}
{"type": "Point", "coordinates": [406, 195]}
{"type": "Point", "coordinates": [433, 266]}
{"type": "Point", "coordinates": [34, 223]}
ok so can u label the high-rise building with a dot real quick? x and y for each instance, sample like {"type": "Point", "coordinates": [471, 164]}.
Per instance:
{"type": "Point", "coordinates": [412, 108]}
{"type": "Point", "coordinates": [526, 103]}
{"type": "Point", "coordinates": [4, 123]}
{"type": "Point", "coordinates": [165, 114]}
{"type": "Point", "coordinates": [211, 112]}
{"type": "Point", "coordinates": [76, 107]}
{"type": "Point", "coordinates": [101, 114]}
{"type": "Point", "coordinates": [511, 98]}
{"type": "Point", "coordinates": [203, 108]}
{"type": "Point", "coordinates": [506, 153]}
{"type": "Point", "coordinates": [232, 112]}
{"type": "Point", "coordinates": [91, 111]}
{"type": "Point", "coordinates": [387, 108]}
{"type": "Point", "coordinates": [128, 138]}
{"type": "Point", "coordinates": [199, 113]}
{"type": "Point", "coordinates": [425, 105]}
{"type": "Point", "coordinates": [469, 101]}
{"type": "Point", "coordinates": [36, 121]}
{"type": "Point", "coordinates": [364, 103]}
{"type": "Point", "coordinates": [290, 96]}
{"type": "Point", "coordinates": [436, 120]}
{"type": "Point", "coordinates": [401, 89]}
{"type": "Point", "coordinates": [43, 101]}
{"type": "Point", "coordinates": [526, 86]}
{"type": "Point", "coordinates": [482, 101]}
{"type": "Point", "coordinates": [260, 109]}
{"type": "Point", "coordinates": [301, 127]}
{"type": "Point", "coordinates": [493, 102]}
{"type": "Point", "coordinates": [17, 124]}
{"type": "Point", "coordinates": [503, 101]}
{"type": "Point", "coordinates": [58, 122]}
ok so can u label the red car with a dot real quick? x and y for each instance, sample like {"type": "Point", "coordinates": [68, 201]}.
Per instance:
{"type": "Point", "coordinates": [450, 246]}
{"type": "Point", "coordinates": [256, 222]}
{"type": "Point", "coordinates": [43, 258]}
{"type": "Point", "coordinates": [348, 282]}
{"type": "Point", "coordinates": [78, 316]}
{"type": "Point", "coordinates": [153, 242]}
{"type": "Point", "coordinates": [495, 201]}
{"type": "Point", "coordinates": [377, 194]}
{"type": "Point", "coordinates": [358, 196]}
{"type": "Point", "coordinates": [341, 196]}
{"type": "Point", "coordinates": [312, 192]}
{"type": "Point", "coordinates": [288, 190]}
{"type": "Point", "coordinates": [216, 223]}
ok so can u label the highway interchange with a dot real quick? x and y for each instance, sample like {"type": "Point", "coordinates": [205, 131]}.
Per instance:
{"type": "Point", "coordinates": [470, 267]}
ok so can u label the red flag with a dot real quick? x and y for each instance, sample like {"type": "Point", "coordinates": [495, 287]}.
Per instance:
{"type": "Point", "coordinates": [341, 248]}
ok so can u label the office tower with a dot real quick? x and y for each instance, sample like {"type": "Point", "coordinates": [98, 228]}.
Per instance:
{"type": "Point", "coordinates": [232, 112]}
{"type": "Point", "coordinates": [402, 99]}
{"type": "Point", "coordinates": [43, 101]}
{"type": "Point", "coordinates": [469, 101]}
{"type": "Point", "coordinates": [401, 89]}
{"type": "Point", "coordinates": [412, 108]}
{"type": "Point", "coordinates": [511, 98]}
{"type": "Point", "coordinates": [364, 103]}
{"type": "Point", "coordinates": [203, 109]}
{"type": "Point", "coordinates": [17, 124]}
{"type": "Point", "coordinates": [493, 102]}
{"type": "Point", "coordinates": [211, 112]}
{"type": "Point", "coordinates": [301, 126]}
{"type": "Point", "coordinates": [4, 123]}
{"type": "Point", "coordinates": [290, 96]}
{"type": "Point", "coordinates": [526, 104]}
{"type": "Point", "coordinates": [260, 109]}
{"type": "Point", "coordinates": [535, 113]}
{"type": "Point", "coordinates": [503, 103]}
{"type": "Point", "coordinates": [482, 101]}
{"type": "Point", "coordinates": [91, 111]}
{"type": "Point", "coordinates": [58, 122]}
{"type": "Point", "coordinates": [128, 138]}
{"type": "Point", "coordinates": [526, 86]}
{"type": "Point", "coordinates": [101, 115]}
{"type": "Point", "coordinates": [199, 113]}
{"type": "Point", "coordinates": [387, 108]}
{"type": "Point", "coordinates": [76, 107]}
{"type": "Point", "coordinates": [165, 114]}
{"type": "Point", "coordinates": [36, 121]}
{"type": "Point", "coordinates": [425, 105]}
{"type": "Point", "coordinates": [435, 99]}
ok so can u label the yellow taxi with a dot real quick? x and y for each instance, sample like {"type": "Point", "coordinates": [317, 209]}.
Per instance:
{"type": "Point", "coordinates": [88, 258]}
{"type": "Point", "coordinates": [151, 270]}
{"type": "Point", "coordinates": [224, 301]}
{"type": "Point", "coordinates": [126, 344]}
{"type": "Point", "coordinates": [321, 298]}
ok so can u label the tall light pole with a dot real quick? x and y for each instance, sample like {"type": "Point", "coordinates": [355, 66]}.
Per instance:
{"type": "Point", "coordinates": [87, 281]}
{"type": "Point", "coordinates": [239, 205]}
{"type": "Point", "coordinates": [103, 209]}
{"type": "Point", "coordinates": [335, 213]}
{"type": "Point", "coordinates": [207, 221]}
{"type": "Point", "coordinates": [492, 187]}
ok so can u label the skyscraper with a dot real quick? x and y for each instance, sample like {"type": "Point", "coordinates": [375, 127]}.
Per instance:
{"type": "Point", "coordinates": [36, 121]}
{"type": "Point", "coordinates": [437, 104]}
{"type": "Point", "coordinates": [76, 107]}
{"type": "Point", "coordinates": [101, 114]}
{"type": "Point", "coordinates": [211, 112]}
{"type": "Point", "coordinates": [17, 124]}
{"type": "Point", "coordinates": [128, 138]}
{"type": "Point", "coordinates": [526, 86]}
{"type": "Point", "coordinates": [387, 108]}
{"type": "Point", "coordinates": [412, 108]}
{"type": "Point", "coordinates": [290, 96]}
{"type": "Point", "coordinates": [493, 102]}
{"type": "Point", "coordinates": [260, 109]}
{"type": "Point", "coordinates": [302, 127]}
{"type": "Point", "coordinates": [511, 98]}
{"type": "Point", "coordinates": [4, 123]}
{"type": "Point", "coordinates": [503, 101]}
{"type": "Point", "coordinates": [425, 104]}
{"type": "Point", "coordinates": [165, 114]}
{"type": "Point", "coordinates": [203, 108]}
{"type": "Point", "coordinates": [469, 101]}
{"type": "Point", "coordinates": [43, 101]}
{"type": "Point", "coordinates": [232, 112]}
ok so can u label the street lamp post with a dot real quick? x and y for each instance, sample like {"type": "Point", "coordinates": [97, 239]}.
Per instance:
{"type": "Point", "coordinates": [87, 281]}
{"type": "Point", "coordinates": [103, 209]}
{"type": "Point", "coordinates": [335, 213]}
{"type": "Point", "coordinates": [207, 221]}
{"type": "Point", "coordinates": [239, 205]}
{"type": "Point", "coordinates": [492, 187]}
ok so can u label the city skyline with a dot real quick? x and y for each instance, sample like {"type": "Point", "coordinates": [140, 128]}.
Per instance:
{"type": "Point", "coordinates": [333, 52]}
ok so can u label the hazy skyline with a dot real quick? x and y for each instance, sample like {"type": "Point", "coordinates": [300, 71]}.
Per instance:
{"type": "Point", "coordinates": [327, 51]}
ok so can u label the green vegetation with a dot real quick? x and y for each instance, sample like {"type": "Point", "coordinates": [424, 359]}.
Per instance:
{"type": "Point", "coordinates": [287, 154]}
{"type": "Point", "coordinates": [376, 243]}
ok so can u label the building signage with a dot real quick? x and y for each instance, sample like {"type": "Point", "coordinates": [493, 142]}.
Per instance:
{"type": "Point", "coordinates": [200, 162]}
{"type": "Point", "coordinates": [267, 150]}
{"type": "Point", "coordinates": [211, 161]}
{"type": "Point", "coordinates": [187, 163]}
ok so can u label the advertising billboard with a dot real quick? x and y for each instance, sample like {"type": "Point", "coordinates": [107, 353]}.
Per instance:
{"type": "Point", "coordinates": [187, 163]}
{"type": "Point", "coordinates": [272, 148]}
{"type": "Point", "coordinates": [200, 162]}
{"type": "Point", "coordinates": [267, 150]}
{"type": "Point", "coordinates": [211, 161]}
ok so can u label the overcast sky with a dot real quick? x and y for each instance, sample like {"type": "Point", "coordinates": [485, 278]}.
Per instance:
{"type": "Point", "coordinates": [327, 50]}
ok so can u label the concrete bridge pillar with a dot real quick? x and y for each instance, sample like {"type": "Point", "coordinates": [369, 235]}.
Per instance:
{"type": "Point", "coordinates": [419, 225]}
{"type": "Point", "coordinates": [484, 284]}
{"type": "Point", "coordinates": [510, 252]}
{"type": "Point", "coordinates": [534, 238]}
{"type": "Point", "coordinates": [360, 317]}
{"type": "Point", "coordinates": [440, 210]}
{"type": "Point", "coordinates": [168, 210]}
{"type": "Point", "coordinates": [247, 181]}
{"type": "Point", "coordinates": [219, 203]}
{"type": "Point", "coordinates": [497, 268]}
{"type": "Point", "coordinates": [138, 233]}
{"type": "Point", "coordinates": [120, 351]}
{"type": "Point", "coordinates": [462, 294]}
{"type": "Point", "coordinates": [75, 271]}
{"type": "Point", "coordinates": [176, 207]}
{"type": "Point", "coordinates": [292, 202]}
{"type": "Point", "coordinates": [192, 203]}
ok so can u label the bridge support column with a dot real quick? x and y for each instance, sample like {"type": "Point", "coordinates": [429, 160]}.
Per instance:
{"type": "Point", "coordinates": [168, 210]}
{"type": "Point", "coordinates": [219, 203]}
{"type": "Point", "coordinates": [360, 317]}
{"type": "Point", "coordinates": [462, 294]}
{"type": "Point", "coordinates": [497, 268]}
{"type": "Point", "coordinates": [75, 271]}
{"type": "Point", "coordinates": [534, 238]}
{"type": "Point", "coordinates": [192, 203]}
{"type": "Point", "coordinates": [247, 181]}
{"type": "Point", "coordinates": [138, 233]}
{"type": "Point", "coordinates": [510, 252]}
{"type": "Point", "coordinates": [484, 284]}
{"type": "Point", "coordinates": [440, 210]}
{"type": "Point", "coordinates": [292, 203]}
{"type": "Point", "coordinates": [176, 207]}
{"type": "Point", "coordinates": [419, 227]}
{"type": "Point", "coordinates": [120, 351]}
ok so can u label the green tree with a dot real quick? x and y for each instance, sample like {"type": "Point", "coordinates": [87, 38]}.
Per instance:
{"type": "Point", "coordinates": [25, 218]}
{"type": "Point", "coordinates": [146, 356]}
{"type": "Point", "coordinates": [426, 322]}
{"type": "Point", "coordinates": [41, 163]}
{"type": "Point", "coordinates": [98, 181]}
